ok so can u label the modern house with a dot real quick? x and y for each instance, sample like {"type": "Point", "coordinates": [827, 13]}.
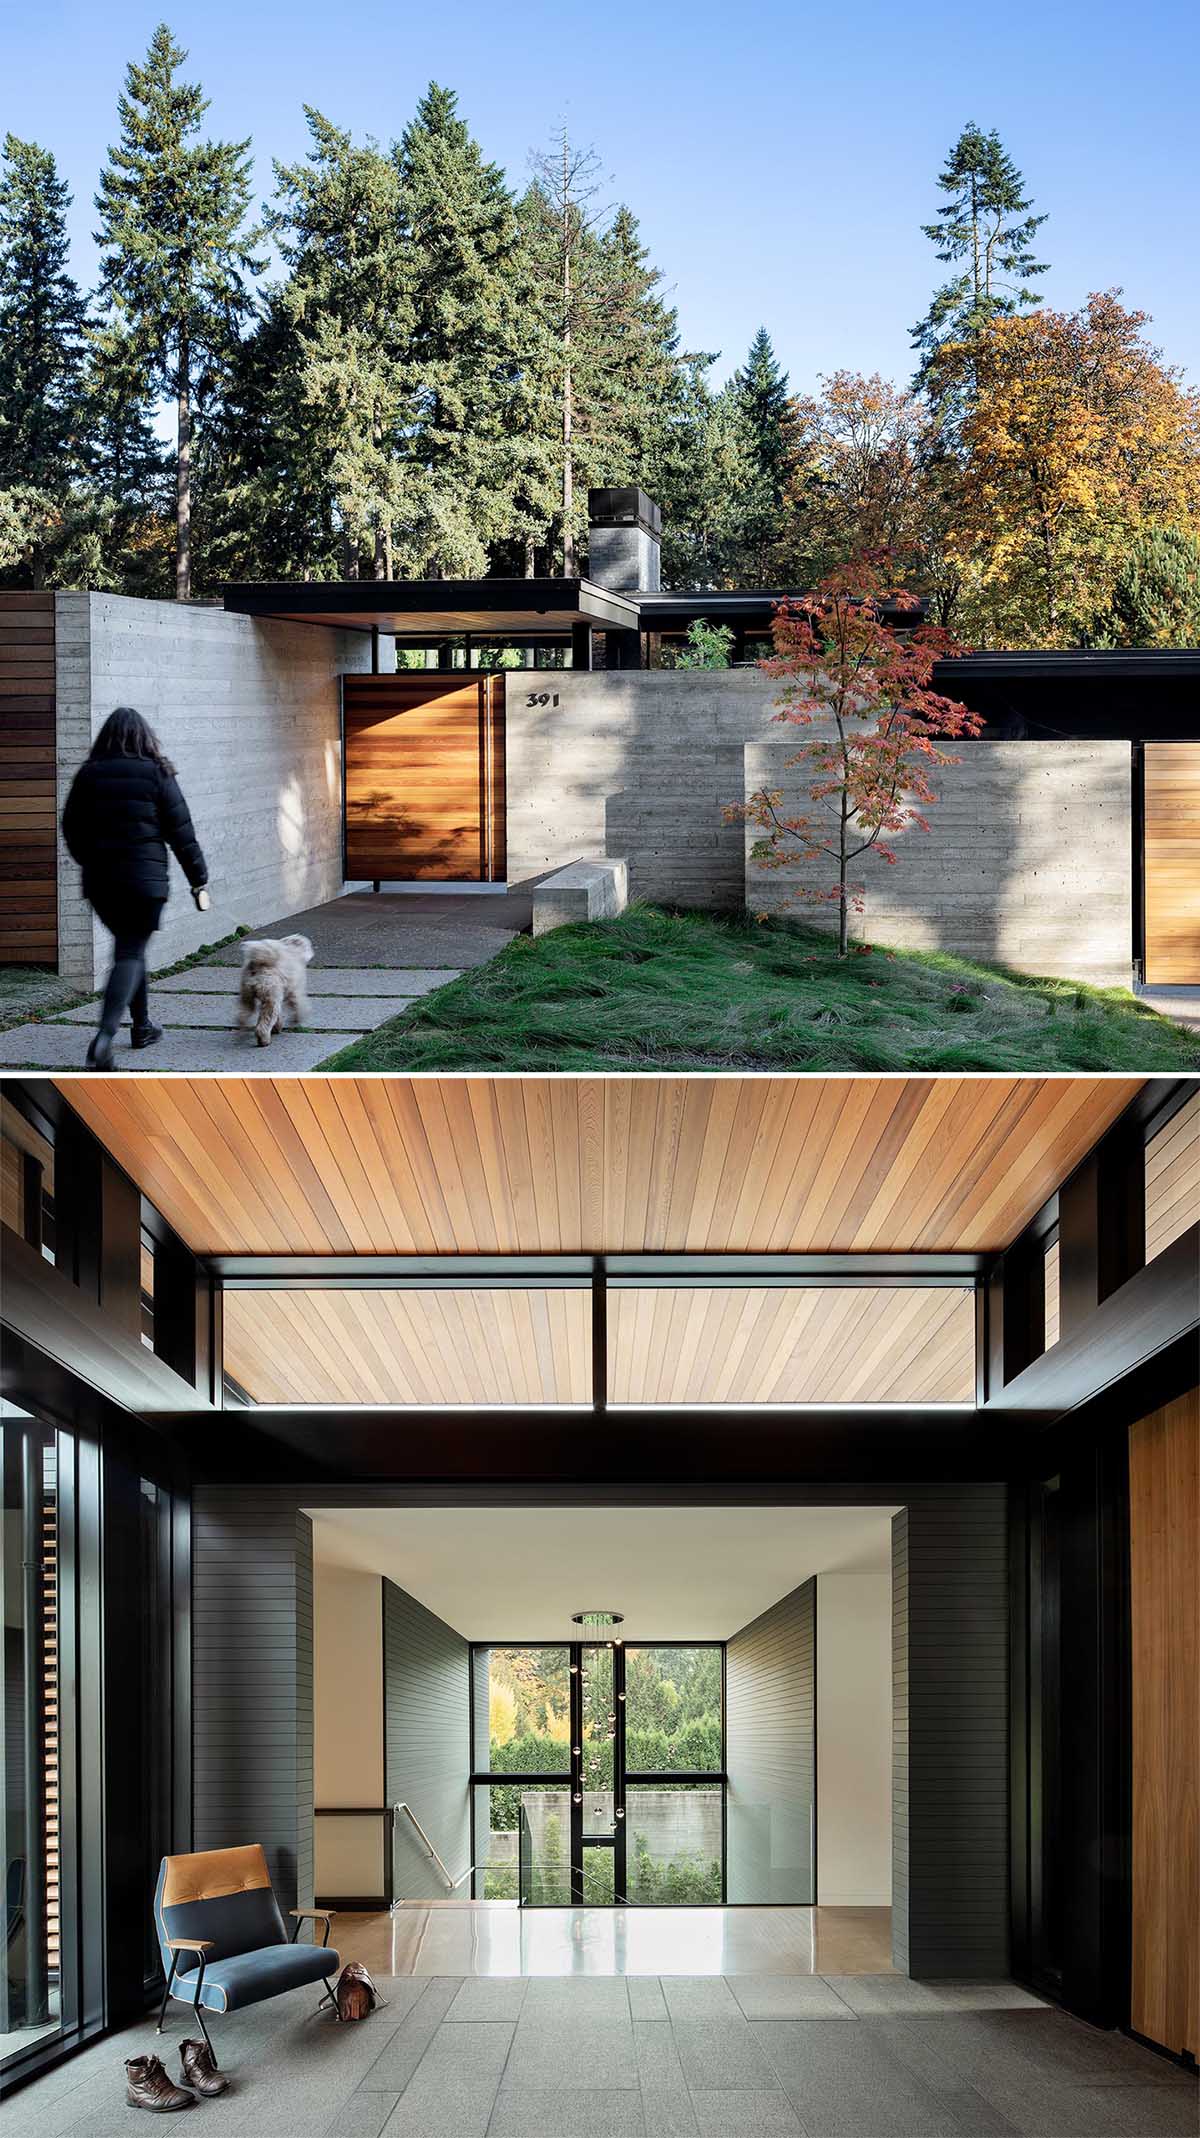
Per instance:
{"type": "Point", "coordinates": [649, 1526]}
{"type": "Point", "coordinates": [1066, 840]}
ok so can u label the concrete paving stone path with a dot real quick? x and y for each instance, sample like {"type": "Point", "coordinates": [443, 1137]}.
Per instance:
{"type": "Point", "coordinates": [374, 956]}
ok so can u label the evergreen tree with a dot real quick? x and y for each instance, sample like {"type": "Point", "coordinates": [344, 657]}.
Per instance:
{"type": "Point", "coordinates": [127, 472]}
{"type": "Point", "coordinates": [761, 387]}
{"type": "Point", "coordinates": [562, 223]}
{"type": "Point", "coordinates": [461, 451]}
{"type": "Point", "coordinates": [1156, 596]}
{"type": "Point", "coordinates": [42, 319]}
{"type": "Point", "coordinates": [986, 224]}
{"type": "Point", "coordinates": [176, 253]}
{"type": "Point", "coordinates": [342, 393]}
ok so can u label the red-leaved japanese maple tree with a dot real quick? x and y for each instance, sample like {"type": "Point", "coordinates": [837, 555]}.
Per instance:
{"type": "Point", "coordinates": [864, 687]}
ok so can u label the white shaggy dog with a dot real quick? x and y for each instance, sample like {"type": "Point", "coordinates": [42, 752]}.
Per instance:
{"type": "Point", "coordinates": [273, 985]}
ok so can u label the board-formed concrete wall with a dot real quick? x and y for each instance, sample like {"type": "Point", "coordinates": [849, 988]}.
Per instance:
{"type": "Point", "coordinates": [249, 712]}
{"type": "Point", "coordinates": [1027, 861]}
{"type": "Point", "coordinates": [637, 765]}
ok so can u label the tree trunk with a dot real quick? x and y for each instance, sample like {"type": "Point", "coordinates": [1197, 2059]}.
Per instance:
{"type": "Point", "coordinates": [843, 889]}
{"type": "Point", "coordinates": [530, 558]}
{"type": "Point", "coordinates": [183, 473]}
{"type": "Point", "coordinates": [568, 481]}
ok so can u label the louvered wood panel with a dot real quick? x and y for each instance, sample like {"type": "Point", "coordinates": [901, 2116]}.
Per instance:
{"type": "Point", "coordinates": [478, 1165]}
{"type": "Point", "coordinates": [844, 1344]}
{"type": "Point", "coordinates": [1173, 1178]}
{"type": "Point", "coordinates": [418, 1347]}
{"type": "Point", "coordinates": [1172, 862]}
{"type": "Point", "coordinates": [28, 783]}
{"type": "Point", "coordinates": [1164, 1550]}
{"type": "Point", "coordinates": [423, 764]}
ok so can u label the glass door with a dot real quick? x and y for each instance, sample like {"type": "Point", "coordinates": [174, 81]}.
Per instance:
{"type": "Point", "coordinates": [599, 1774]}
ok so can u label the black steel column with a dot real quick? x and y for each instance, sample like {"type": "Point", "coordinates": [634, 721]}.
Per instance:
{"type": "Point", "coordinates": [619, 1820]}
{"type": "Point", "coordinates": [581, 645]}
{"type": "Point", "coordinates": [575, 1682]}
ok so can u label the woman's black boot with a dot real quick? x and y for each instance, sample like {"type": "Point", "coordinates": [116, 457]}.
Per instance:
{"type": "Point", "coordinates": [100, 1053]}
{"type": "Point", "coordinates": [144, 1035]}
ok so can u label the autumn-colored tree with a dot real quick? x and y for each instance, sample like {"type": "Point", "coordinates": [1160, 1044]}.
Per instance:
{"type": "Point", "coordinates": [1077, 437]}
{"type": "Point", "coordinates": [864, 687]}
{"type": "Point", "coordinates": [855, 486]}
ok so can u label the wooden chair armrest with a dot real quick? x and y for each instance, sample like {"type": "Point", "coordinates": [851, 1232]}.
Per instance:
{"type": "Point", "coordinates": [189, 1944]}
{"type": "Point", "coordinates": [320, 1915]}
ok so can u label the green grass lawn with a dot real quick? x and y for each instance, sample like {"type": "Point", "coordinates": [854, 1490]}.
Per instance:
{"type": "Point", "coordinates": [656, 990]}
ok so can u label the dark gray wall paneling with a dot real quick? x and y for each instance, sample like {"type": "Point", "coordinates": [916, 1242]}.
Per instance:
{"type": "Point", "coordinates": [252, 1681]}
{"type": "Point", "coordinates": [426, 1679]}
{"type": "Point", "coordinates": [950, 1776]}
{"type": "Point", "coordinates": [770, 1752]}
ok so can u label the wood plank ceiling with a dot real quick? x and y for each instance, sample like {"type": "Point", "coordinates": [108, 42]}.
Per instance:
{"type": "Point", "coordinates": [477, 1165]}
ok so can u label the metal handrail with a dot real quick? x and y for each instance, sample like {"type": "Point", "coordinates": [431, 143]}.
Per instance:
{"type": "Point", "coordinates": [452, 1884]}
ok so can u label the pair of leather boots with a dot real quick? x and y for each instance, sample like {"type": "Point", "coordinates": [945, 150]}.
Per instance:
{"type": "Point", "coordinates": [148, 2084]}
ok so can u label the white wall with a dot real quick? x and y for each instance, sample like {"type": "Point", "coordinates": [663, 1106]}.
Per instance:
{"type": "Point", "coordinates": [250, 713]}
{"type": "Point", "coordinates": [348, 1728]}
{"type": "Point", "coordinates": [854, 1740]}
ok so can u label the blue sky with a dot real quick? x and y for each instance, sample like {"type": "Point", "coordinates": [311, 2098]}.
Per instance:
{"type": "Point", "coordinates": [781, 160]}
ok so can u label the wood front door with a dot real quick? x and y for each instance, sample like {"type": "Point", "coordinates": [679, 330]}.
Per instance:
{"type": "Point", "coordinates": [423, 773]}
{"type": "Point", "coordinates": [1172, 863]}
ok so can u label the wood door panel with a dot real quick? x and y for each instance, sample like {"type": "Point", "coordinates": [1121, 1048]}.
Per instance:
{"type": "Point", "coordinates": [1164, 1551]}
{"type": "Point", "coordinates": [28, 786]}
{"type": "Point", "coordinates": [1172, 862]}
{"type": "Point", "coordinates": [423, 771]}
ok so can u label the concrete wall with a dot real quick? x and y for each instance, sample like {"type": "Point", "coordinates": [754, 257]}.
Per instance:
{"type": "Point", "coordinates": [348, 1729]}
{"type": "Point", "coordinates": [1027, 861]}
{"type": "Point", "coordinates": [854, 1740]}
{"type": "Point", "coordinates": [638, 765]}
{"type": "Point", "coordinates": [250, 714]}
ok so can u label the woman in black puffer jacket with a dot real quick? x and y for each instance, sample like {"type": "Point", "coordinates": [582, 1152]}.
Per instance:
{"type": "Point", "coordinates": [124, 810]}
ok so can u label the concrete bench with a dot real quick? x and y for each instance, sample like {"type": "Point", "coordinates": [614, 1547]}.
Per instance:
{"type": "Point", "coordinates": [583, 891]}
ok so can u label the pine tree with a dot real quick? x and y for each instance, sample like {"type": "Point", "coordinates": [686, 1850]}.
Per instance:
{"type": "Point", "coordinates": [343, 389]}
{"type": "Point", "coordinates": [176, 253]}
{"type": "Point", "coordinates": [462, 246]}
{"type": "Point", "coordinates": [130, 492]}
{"type": "Point", "coordinates": [1156, 597]}
{"type": "Point", "coordinates": [762, 389]}
{"type": "Point", "coordinates": [42, 319]}
{"type": "Point", "coordinates": [562, 222]}
{"type": "Point", "coordinates": [985, 223]}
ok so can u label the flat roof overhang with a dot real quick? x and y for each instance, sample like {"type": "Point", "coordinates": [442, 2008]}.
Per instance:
{"type": "Point", "coordinates": [438, 607]}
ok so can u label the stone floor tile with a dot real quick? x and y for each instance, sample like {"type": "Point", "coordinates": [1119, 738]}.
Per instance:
{"type": "Point", "coordinates": [668, 2112]}
{"type": "Point", "coordinates": [885, 1995]}
{"type": "Point", "coordinates": [745, 2115]}
{"type": "Point", "coordinates": [657, 2057]}
{"type": "Point", "coordinates": [577, 1997]}
{"type": "Point", "coordinates": [442, 2108]}
{"type": "Point", "coordinates": [490, 1997]}
{"type": "Point", "coordinates": [646, 2000]}
{"type": "Point", "coordinates": [558, 2054]}
{"type": "Point", "coordinates": [717, 2053]}
{"type": "Point", "coordinates": [472, 2049]}
{"type": "Point", "coordinates": [198, 1011]}
{"type": "Point", "coordinates": [407, 2043]}
{"type": "Point", "coordinates": [788, 1997]}
{"type": "Point", "coordinates": [603, 2113]}
{"type": "Point", "coordinates": [699, 1996]}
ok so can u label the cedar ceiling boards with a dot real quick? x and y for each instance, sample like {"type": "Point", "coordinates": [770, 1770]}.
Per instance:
{"type": "Point", "coordinates": [567, 1165]}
